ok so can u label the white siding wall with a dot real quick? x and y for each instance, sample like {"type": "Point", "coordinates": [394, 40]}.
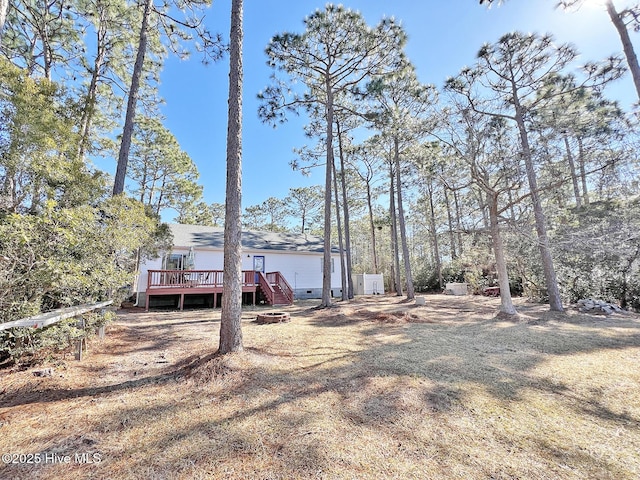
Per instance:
{"type": "Point", "coordinates": [209, 260]}
{"type": "Point", "coordinates": [302, 270]}
{"type": "Point", "coordinates": [155, 264]}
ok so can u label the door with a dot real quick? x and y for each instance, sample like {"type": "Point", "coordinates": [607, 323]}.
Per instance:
{"type": "Point", "coordinates": [258, 265]}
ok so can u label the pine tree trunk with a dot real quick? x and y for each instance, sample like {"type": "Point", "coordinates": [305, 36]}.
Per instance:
{"type": "Point", "coordinates": [230, 321]}
{"type": "Point", "coordinates": [403, 229]}
{"type": "Point", "coordinates": [345, 208]}
{"type": "Point", "coordinates": [127, 131]}
{"type": "Point", "coordinates": [372, 228]}
{"type": "Point", "coordinates": [343, 269]}
{"type": "Point", "coordinates": [458, 223]}
{"type": "Point", "coordinates": [143, 182]}
{"type": "Point", "coordinates": [512, 211]}
{"type": "Point", "coordinates": [452, 240]}
{"type": "Point", "coordinates": [572, 170]}
{"type": "Point", "coordinates": [158, 203]}
{"type": "Point", "coordinates": [89, 107]}
{"type": "Point", "coordinates": [482, 204]}
{"type": "Point", "coordinates": [555, 302]}
{"type": "Point", "coordinates": [583, 172]}
{"type": "Point", "coordinates": [434, 235]}
{"type": "Point", "coordinates": [326, 260]}
{"type": "Point", "coordinates": [395, 270]}
{"type": "Point", "coordinates": [506, 304]}
{"type": "Point", "coordinates": [627, 46]}
{"type": "Point", "coordinates": [483, 210]}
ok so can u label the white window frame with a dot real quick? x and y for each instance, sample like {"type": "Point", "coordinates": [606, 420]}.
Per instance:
{"type": "Point", "coordinates": [333, 265]}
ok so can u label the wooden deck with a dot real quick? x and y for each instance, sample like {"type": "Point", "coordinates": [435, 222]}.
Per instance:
{"type": "Point", "coordinates": [272, 285]}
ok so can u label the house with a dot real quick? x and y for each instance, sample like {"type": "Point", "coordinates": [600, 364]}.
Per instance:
{"type": "Point", "coordinates": [277, 267]}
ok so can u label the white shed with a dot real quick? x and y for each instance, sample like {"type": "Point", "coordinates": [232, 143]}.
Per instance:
{"type": "Point", "coordinates": [368, 284]}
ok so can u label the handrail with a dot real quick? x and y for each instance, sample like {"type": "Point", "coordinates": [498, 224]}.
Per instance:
{"type": "Point", "coordinates": [184, 278]}
{"type": "Point", "coordinates": [54, 316]}
{"type": "Point", "coordinates": [283, 284]}
{"type": "Point", "coordinates": [289, 291]}
{"type": "Point", "coordinates": [266, 287]}
{"type": "Point", "coordinates": [249, 278]}
{"type": "Point", "coordinates": [192, 278]}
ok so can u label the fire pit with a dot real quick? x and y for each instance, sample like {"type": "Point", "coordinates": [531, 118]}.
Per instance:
{"type": "Point", "coordinates": [273, 317]}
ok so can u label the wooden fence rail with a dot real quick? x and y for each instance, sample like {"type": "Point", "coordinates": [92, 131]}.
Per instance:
{"type": "Point", "coordinates": [49, 318]}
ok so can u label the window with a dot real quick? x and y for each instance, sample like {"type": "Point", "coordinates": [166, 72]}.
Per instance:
{"type": "Point", "coordinates": [333, 265]}
{"type": "Point", "coordinates": [174, 261]}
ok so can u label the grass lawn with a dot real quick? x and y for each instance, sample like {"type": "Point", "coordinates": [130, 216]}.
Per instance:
{"type": "Point", "coordinates": [376, 388]}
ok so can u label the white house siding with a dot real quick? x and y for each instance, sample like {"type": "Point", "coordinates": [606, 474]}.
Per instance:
{"type": "Point", "coordinates": [303, 270]}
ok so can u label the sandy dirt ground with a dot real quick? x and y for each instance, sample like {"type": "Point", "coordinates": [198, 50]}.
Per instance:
{"type": "Point", "coordinates": [159, 343]}
{"type": "Point", "coordinates": [378, 387]}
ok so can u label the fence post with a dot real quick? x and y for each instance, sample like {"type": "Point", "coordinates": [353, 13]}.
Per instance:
{"type": "Point", "coordinates": [101, 329]}
{"type": "Point", "coordinates": [81, 343]}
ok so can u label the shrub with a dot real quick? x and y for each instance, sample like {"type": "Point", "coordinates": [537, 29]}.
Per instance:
{"type": "Point", "coordinates": [29, 345]}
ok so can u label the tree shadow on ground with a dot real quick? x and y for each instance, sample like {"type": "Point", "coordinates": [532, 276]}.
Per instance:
{"type": "Point", "coordinates": [396, 371]}
{"type": "Point", "coordinates": [176, 372]}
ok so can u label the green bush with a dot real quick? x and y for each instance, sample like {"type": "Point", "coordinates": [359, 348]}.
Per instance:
{"type": "Point", "coordinates": [71, 256]}
{"type": "Point", "coordinates": [29, 345]}
{"type": "Point", "coordinates": [598, 253]}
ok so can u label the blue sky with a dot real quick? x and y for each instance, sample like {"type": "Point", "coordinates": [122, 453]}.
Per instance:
{"type": "Point", "coordinates": [444, 36]}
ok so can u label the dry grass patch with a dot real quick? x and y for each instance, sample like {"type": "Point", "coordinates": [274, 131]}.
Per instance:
{"type": "Point", "coordinates": [374, 388]}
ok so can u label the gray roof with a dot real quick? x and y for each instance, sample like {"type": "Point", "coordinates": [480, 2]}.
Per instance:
{"type": "Point", "coordinates": [213, 237]}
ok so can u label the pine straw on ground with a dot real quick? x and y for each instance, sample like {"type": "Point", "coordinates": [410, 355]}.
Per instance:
{"type": "Point", "coordinates": [376, 388]}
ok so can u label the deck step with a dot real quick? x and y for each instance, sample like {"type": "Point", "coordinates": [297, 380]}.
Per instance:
{"type": "Point", "coordinates": [279, 297]}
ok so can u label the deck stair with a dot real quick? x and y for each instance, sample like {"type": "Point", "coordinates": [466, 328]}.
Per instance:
{"type": "Point", "coordinates": [280, 298]}
{"type": "Point", "coordinates": [275, 289]}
